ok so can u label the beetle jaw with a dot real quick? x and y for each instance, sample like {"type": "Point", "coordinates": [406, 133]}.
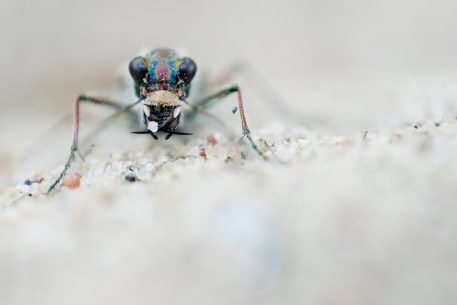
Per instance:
{"type": "Point", "coordinates": [162, 98]}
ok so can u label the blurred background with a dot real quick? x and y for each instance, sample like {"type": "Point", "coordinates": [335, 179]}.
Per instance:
{"type": "Point", "coordinates": [330, 57]}
{"type": "Point", "coordinates": [374, 236]}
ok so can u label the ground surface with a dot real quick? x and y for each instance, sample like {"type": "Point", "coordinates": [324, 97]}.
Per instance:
{"type": "Point", "coordinates": [364, 217]}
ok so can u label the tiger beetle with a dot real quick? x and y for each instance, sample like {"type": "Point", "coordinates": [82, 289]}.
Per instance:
{"type": "Point", "coordinates": [162, 81]}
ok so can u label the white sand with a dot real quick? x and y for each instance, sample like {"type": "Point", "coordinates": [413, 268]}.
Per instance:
{"type": "Point", "coordinates": [361, 219]}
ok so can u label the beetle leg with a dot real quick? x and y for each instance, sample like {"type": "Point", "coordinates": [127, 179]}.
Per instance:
{"type": "Point", "coordinates": [244, 125]}
{"type": "Point", "coordinates": [74, 146]}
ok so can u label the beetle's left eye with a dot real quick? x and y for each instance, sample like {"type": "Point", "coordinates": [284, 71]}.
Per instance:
{"type": "Point", "coordinates": [138, 69]}
{"type": "Point", "coordinates": [187, 70]}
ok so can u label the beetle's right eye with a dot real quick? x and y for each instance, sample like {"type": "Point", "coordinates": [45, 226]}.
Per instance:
{"type": "Point", "coordinates": [138, 69]}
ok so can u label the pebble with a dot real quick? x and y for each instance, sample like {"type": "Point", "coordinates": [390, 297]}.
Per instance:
{"type": "Point", "coordinates": [72, 181]}
{"type": "Point", "coordinates": [211, 140]}
{"type": "Point", "coordinates": [130, 177]}
{"type": "Point", "coordinates": [202, 153]}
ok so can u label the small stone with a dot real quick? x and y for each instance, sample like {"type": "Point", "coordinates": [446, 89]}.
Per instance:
{"type": "Point", "coordinates": [348, 141]}
{"type": "Point", "coordinates": [153, 126]}
{"type": "Point", "coordinates": [202, 153]}
{"type": "Point", "coordinates": [72, 181]}
{"type": "Point", "coordinates": [211, 140]}
{"type": "Point", "coordinates": [130, 177]}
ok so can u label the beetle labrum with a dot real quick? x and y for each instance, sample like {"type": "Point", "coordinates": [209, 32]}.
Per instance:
{"type": "Point", "coordinates": [162, 81]}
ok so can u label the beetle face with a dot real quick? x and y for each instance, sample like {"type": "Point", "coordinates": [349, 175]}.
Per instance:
{"type": "Point", "coordinates": [162, 69]}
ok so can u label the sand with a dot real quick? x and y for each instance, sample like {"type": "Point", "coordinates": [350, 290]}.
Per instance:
{"type": "Point", "coordinates": [365, 218]}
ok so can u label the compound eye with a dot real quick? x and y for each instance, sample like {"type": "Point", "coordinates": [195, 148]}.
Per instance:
{"type": "Point", "coordinates": [138, 69]}
{"type": "Point", "coordinates": [187, 70]}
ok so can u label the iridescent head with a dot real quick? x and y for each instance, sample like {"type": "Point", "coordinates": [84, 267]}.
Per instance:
{"type": "Point", "coordinates": [162, 69]}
